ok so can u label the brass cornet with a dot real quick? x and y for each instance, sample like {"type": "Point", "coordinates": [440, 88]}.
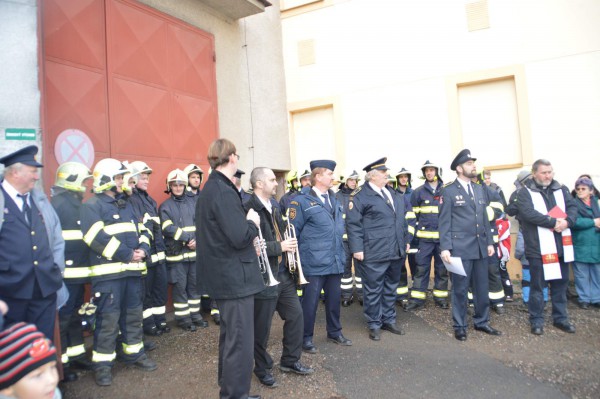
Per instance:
{"type": "Point", "coordinates": [294, 257]}
{"type": "Point", "coordinates": [263, 260]}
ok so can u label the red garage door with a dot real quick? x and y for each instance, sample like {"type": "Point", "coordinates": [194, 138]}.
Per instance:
{"type": "Point", "coordinates": [140, 84]}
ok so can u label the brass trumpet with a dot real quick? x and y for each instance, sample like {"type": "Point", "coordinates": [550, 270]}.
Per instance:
{"type": "Point", "coordinates": [294, 257]}
{"type": "Point", "coordinates": [263, 259]}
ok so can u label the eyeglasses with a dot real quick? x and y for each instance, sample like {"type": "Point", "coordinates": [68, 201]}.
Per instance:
{"type": "Point", "coordinates": [582, 188]}
{"type": "Point", "coordinates": [236, 155]}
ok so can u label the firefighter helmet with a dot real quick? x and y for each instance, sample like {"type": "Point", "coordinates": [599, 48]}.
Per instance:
{"type": "Point", "coordinates": [105, 172]}
{"type": "Point", "coordinates": [404, 171]}
{"type": "Point", "coordinates": [71, 175]}
{"type": "Point", "coordinates": [176, 176]}
{"type": "Point", "coordinates": [139, 167]}
{"type": "Point", "coordinates": [191, 168]}
{"type": "Point", "coordinates": [352, 175]}
{"type": "Point", "coordinates": [429, 164]}
{"type": "Point", "coordinates": [130, 175]}
{"type": "Point", "coordinates": [306, 173]}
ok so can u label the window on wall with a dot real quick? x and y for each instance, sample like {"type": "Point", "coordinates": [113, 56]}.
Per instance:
{"type": "Point", "coordinates": [314, 135]}
{"type": "Point", "coordinates": [490, 121]}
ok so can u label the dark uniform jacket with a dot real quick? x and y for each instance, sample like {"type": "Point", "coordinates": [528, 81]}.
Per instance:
{"type": "Point", "coordinates": [110, 228]}
{"type": "Point", "coordinates": [374, 227]}
{"type": "Point", "coordinates": [343, 196]}
{"type": "Point", "coordinates": [530, 219]}
{"type": "Point", "coordinates": [225, 256]}
{"type": "Point", "coordinates": [145, 209]}
{"type": "Point", "coordinates": [319, 233]}
{"type": "Point", "coordinates": [465, 229]}
{"type": "Point", "coordinates": [177, 216]}
{"type": "Point", "coordinates": [27, 251]}
{"type": "Point", "coordinates": [67, 205]}
{"type": "Point", "coordinates": [425, 202]}
{"type": "Point", "coordinates": [267, 227]}
{"type": "Point", "coordinates": [284, 202]}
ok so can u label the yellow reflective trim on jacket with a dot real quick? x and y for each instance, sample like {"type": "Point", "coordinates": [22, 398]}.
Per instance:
{"type": "Point", "coordinates": [93, 232]}
{"type": "Point", "coordinates": [142, 228]}
{"type": "Point", "coordinates": [418, 294]}
{"type": "Point", "coordinates": [117, 228]}
{"type": "Point", "coordinates": [428, 234]}
{"type": "Point", "coordinates": [166, 224]}
{"type": "Point", "coordinates": [178, 234]}
{"type": "Point", "coordinates": [76, 272]}
{"type": "Point", "coordinates": [411, 230]}
{"type": "Point", "coordinates": [74, 351]}
{"type": "Point", "coordinates": [176, 258]}
{"type": "Point", "coordinates": [161, 255]}
{"type": "Point", "coordinates": [189, 229]}
{"type": "Point", "coordinates": [64, 358]}
{"type": "Point", "coordinates": [497, 205]}
{"type": "Point", "coordinates": [416, 209]}
{"type": "Point", "coordinates": [440, 294]}
{"type": "Point", "coordinates": [118, 267]}
{"type": "Point", "coordinates": [70, 235]}
{"type": "Point", "coordinates": [157, 257]}
{"type": "Point", "coordinates": [429, 209]}
{"type": "Point", "coordinates": [144, 240]}
{"type": "Point", "coordinates": [103, 357]}
{"type": "Point", "coordinates": [495, 237]}
{"type": "Point", "coordinates": [155, 219]}
{"type": "Point", "coordinates": [111, 248]}
{"type": "Point", "coordinates": [410, 215]}
{"type": "Point", "coordinates": [131, 349]}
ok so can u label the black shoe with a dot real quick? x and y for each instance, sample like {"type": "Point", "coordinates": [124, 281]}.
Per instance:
{"type": "Point", "coordinates": [442, 304]}
{"type": "Point", "coordinates": [145, 363]}
{"type": "Point", "coordinates": [297, 368]}
{"type": "Point", "coordinates": [189, 327]}
{"type": "Point", "coordinates": [268, 381]}
{"type": "Point", "coordinates": [164, 328]}
{"type": "Point", "coordinates": [488, 330]}
{"type": "Point", "coordinates": [584, 305]}
{"type": "Point", "coordinates": [413, 305]}
{"type": "Point", "coordinates": [153, 332]}
{"type": "Point", "coordinates": [566, 327]}
{"type": "Point", "coordinates": [81, 364]}
{"type": "Point", "coordinates": [375, 334]}
{"type": "Point", "coordinates": [499, 309]}
{"type": "Point", "coordinates": [340, 340]}
{"type": "Point", "coordinates": [309, 347]}
{"type": "Point", "coordinates": [68, 374]}
{"type": "Point", "coordinates": [200, 323]}
{"type": "Point", "coordinates": [347, 302]}
{"type": "Point", "coordinates": [537, 330]}
{"type": "Point", "coordinates": [216, 318]}
{"type": "Point", "coordinates": [394, 329]}
{"type": "Point", "coordinates": [103, 376]}
{"type": "Point", "coordinates": [149, 346]}
{"type": "Point", "coordinates": [403, 303]}
{"type": "Point", "coordinates": [460, 335]}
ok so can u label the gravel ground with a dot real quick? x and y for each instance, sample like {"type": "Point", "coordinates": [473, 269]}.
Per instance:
{"type": "Point", "coordinates": [188, 361]}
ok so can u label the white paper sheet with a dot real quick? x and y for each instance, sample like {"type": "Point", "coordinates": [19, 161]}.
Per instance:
{"type": "Point", "coordinates": [455, 266]}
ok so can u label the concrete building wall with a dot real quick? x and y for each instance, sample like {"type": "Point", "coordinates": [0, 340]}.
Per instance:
{"type": "Point", "coordinates": [19, 89]}
{"type": "Point", "coordinates": [387, 64]}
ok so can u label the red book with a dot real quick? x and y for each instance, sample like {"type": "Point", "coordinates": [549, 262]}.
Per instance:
{"type": "Point", "coordinates": [557, 213]}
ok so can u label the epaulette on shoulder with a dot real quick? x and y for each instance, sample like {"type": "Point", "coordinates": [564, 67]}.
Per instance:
{"type": "Point", "coordinates": [294, 202]}
{"type": "Point", "coordinates": [356, 191]}
{"type": "Point", "coordinates": [447, 184]}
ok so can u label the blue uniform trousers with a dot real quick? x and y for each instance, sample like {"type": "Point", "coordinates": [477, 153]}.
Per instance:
{"type": "Point", "coordinates": [379, 291]}
{"type": "Point", "coordinates": [477, 272]}
{"type": "Point", "coordinates": [310, 300]}
{"type": "Point", "coordinates": [39, 311]}
{"type": "Point", "coordinates": [155, 296]}
{"type": "Point", "coordinates": [558, 291]}
{"type": "Point", "coordinates": [427, 251]}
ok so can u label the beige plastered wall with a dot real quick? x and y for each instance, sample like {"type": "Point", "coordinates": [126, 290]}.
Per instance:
{"type": "Point", "coordinates": [250, 80]}
{"type": "Point", "coordinates": [394, 68]}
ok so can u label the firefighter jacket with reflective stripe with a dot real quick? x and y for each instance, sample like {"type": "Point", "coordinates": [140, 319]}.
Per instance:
{"type": "Point", "coordinates": [145, 208]}
{"type": "Point", "coordinates": [343, 196]}
{"type": "Point", "coordinates": [425, 202]}
{"type": "Point", "coordinates": [178, 227]}
{"type": "Point", "coordinates": [67, 205]}
{"type": "Point", "coordinates": [110, 229]}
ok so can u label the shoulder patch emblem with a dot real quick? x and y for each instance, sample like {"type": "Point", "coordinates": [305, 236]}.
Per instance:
{"type": "Point", "coordinates": [294, 202]}
{"type": "Point", "coordinates": [292, 213]}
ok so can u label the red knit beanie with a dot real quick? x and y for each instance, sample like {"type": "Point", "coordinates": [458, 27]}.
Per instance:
{"type": "Point", "coordinates": [22, 349]}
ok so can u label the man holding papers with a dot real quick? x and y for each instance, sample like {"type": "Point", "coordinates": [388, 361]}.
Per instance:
{"type": "Point", "coordinates": [466, 233]}
{"type": "Point", "coordinates": [546, 211]}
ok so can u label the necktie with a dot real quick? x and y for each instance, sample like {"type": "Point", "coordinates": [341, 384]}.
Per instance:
{"type": "Point", "coordinates": [387, 200]}
{"type": "Point", "coordinates": [326, 203]}
{"type": "Point", "coordinates": [26, 209]}
{"type": "Point", "coordinates": [470, 192]}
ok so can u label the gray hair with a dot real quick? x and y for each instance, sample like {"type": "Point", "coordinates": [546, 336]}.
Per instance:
{"type": "Point", "coordinates": [258, 174]}
{"type": "Point", "coordinates": [369, 175]}
{"type": "Point", "coordinates": [539, 163]}
{"type": "Point", "coordinates": [15, 167]}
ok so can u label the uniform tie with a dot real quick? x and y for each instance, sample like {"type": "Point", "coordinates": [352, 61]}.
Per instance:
{"type": "Point", "coordinates": [326, 203]}
{"type": "Point", "coordinates": [470, 192]}
{"type": "Point", "coordinates": [26, 209]}
{"type": "Point", "coordinates": [387, 200]}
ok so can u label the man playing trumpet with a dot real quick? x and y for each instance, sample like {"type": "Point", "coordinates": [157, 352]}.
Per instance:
{"type": "Point", "coordinates": [281, 297]}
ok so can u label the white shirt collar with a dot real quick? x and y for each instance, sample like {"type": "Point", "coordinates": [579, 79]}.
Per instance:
{"type": "Point", "coordinates": [464, 184]}
{"type": "Point", "coordinates": [267, 204]}
{"type": "Point", "coordinates": [13, 194]}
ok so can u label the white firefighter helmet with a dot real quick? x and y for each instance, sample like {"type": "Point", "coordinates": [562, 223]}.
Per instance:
{"type": "Point", "coordinates": [176, 176]}
{"type": "Point", "coordinates": [139, 167]}
{"type": "Point", "coordinates": [193, 168]}
{"type": "Point", "coordinates": [71, 175]}
{"type": "Point", "coordinates": [105, 172]}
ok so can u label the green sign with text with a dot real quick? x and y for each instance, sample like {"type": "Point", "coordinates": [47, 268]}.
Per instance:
{"type": "Point", "coordinates": [19, 134]}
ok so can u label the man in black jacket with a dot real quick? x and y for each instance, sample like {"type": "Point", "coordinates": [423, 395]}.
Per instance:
{"type": "Point", "coordinates": [546, 211]}
{"type": "Point", "coordinates": [281, 297]}
{"type": "Point", "coordinates": [228, 267]}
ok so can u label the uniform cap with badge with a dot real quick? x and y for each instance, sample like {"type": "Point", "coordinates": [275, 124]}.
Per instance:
{"type": "Point", "coordinates": [377, 165]}
{"type": "Point", "coordinates": [462, 157]}
{"type": "Point", "coordinates": [323, 163]}
{"type": "Point", "coordinates": [25, 155]}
